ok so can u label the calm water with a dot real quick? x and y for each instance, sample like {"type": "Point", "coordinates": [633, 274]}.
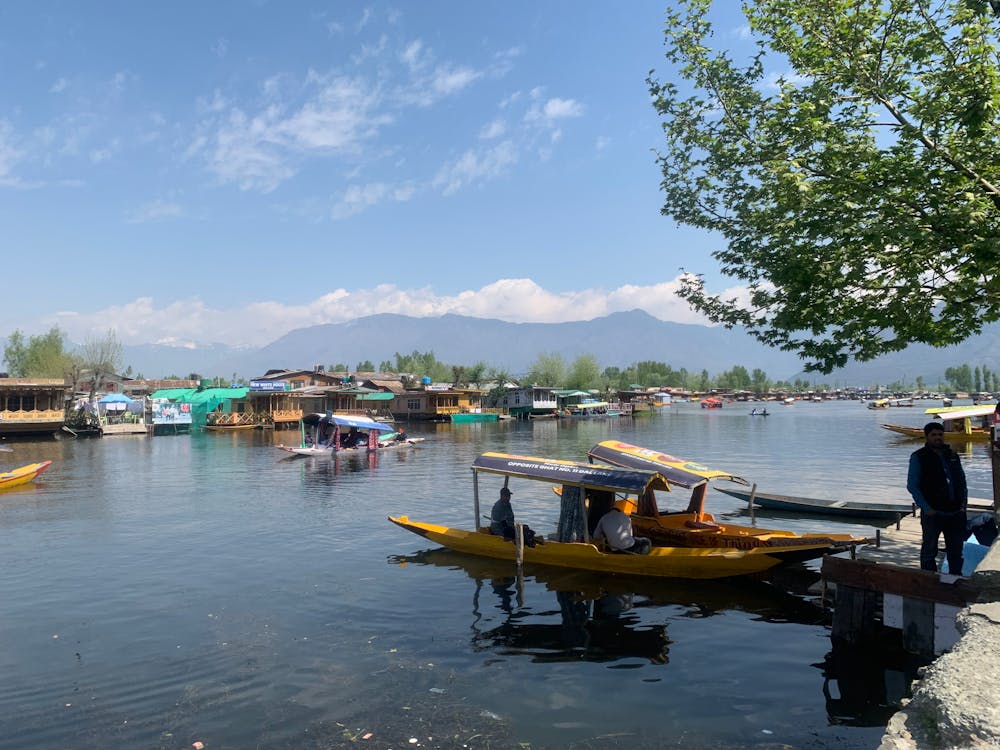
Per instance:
{"type": "Point", "coordinates": [158, 592]}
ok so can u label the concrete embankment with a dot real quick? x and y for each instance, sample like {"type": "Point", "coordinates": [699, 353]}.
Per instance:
{"type": "Point", "coordinates": [956, 705]}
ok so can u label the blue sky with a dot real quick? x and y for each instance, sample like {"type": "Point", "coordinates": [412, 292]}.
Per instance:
{"type": "Point", "coordinates": [229, 171]}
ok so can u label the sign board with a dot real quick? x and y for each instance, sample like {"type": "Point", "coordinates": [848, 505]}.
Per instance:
{"type": "Point", "coordinates": [167, 412]}
{"type": "Point", "coordinates": [269, 385]}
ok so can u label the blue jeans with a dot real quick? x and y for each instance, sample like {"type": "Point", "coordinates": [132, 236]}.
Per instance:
{"type": "Point", "coordinates": [953, 528]}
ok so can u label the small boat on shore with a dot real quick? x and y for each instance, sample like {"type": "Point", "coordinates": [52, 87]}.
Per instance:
{"type": "Point", "coordinates": [586, 491]}
{"type": "Point", "coordinates": [22, 474]}
{"type": "Point", "coordinates": [960, 423]}
{"type": "Point", "coordinates": [693, 527]}
{"type": "Point", "coordinates": [859, 509]}
{"type": "Point", "coordinates": [325, 434]}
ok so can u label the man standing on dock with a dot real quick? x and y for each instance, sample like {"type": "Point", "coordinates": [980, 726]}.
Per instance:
{"type": "Point", "coordinates": [937, 482]}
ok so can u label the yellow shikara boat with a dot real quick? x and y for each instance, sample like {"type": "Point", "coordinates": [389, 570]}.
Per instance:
{"type": "Point", "coordinates": [693, 527]}
{"type": "Point", "coordinates": [586, 492]}
{"type": "Point", "coordinates": [22, 474]}
{"type": "Point", "coordinates": [960, 423]}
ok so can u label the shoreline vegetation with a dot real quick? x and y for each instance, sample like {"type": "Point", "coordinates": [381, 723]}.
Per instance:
{"type": "Point", "coordinates": [50, 355]}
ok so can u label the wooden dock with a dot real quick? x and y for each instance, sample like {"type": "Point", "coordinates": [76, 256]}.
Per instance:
{"type": "Point", "coordinates": [883, 587]}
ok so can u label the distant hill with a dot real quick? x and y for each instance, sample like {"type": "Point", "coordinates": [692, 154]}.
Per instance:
{"type": "Point", "coordinates": [619, 339]}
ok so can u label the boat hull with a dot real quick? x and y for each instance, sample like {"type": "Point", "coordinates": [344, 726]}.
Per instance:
{"type": "Point", "coordinates": [471, 417]}
{"type": "Point", "coordinates": [917, 433]}
{"type": "Point", "coordinates": [817, 506]}
{"type": "Point", "coordinates": [22, 475]}
{"type": "Point", "coordinates": [663, 562]}
{"type": "Point", "coordinates": [692, 530]}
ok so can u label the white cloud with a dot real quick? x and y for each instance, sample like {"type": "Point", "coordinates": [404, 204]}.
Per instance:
{"type": "Point", "coordinates": [412, 54]}
{"type": "Point", "coordinates": [9, 152]}
{"type": "Point", "coordinates": [259, 323]}
{"type": "Point", "coordinates": [476, 165]}
{"type": "Point", "coordinates": [553, 109]}
{"type": "Point", "coordinates": [448, 80]}
{"type": "Point", "coordinates": [220, 48]}
{"type": "Point", "coordinates": [357, 198]}
{"type": "Point", "coordinates": [260, 151]}
{"type": "Point", "coordinates": [59, 86]}
{"type": "Point", "coordinates": [493, 130]}
{"type": "Point", "coordinates": [155, 211]}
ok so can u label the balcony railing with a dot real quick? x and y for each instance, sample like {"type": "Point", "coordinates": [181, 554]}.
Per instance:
{"type": "Point", "coordinates": [33, 415]}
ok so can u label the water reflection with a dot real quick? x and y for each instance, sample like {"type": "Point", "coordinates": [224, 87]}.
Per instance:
{"type": "Point", "coordinates": [865, 687]}
{"type": "Point", "coordinates": [602, 618]}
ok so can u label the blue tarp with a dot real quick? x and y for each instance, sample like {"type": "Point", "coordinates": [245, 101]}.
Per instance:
{"type": "Point", "coordinates": [115, 398]}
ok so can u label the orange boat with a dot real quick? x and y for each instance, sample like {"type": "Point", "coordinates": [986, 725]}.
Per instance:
{"type": "Point", "coordinates": [22, 474]}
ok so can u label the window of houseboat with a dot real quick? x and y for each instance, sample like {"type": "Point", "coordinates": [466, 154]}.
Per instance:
{"type": "Point", "coordinates": [413, 404]}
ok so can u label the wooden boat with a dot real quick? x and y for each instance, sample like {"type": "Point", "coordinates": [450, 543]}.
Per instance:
{"type": "Point", "coordinates": [22, 474]}
{"type": "Point", "coordinates": [693, 527]}
{"type": "Point", "coordinates": [886, 403]}
{"type": "Point", "coordinates": [711, 403]}
{"type": "Point", "coordinates": [586, 492]}
{"type": "Point", "coordinates": [231, 427]}
{"type": "Point", "coordinates": [321, 435]}
{"type": "Point", "coordinates": [859, 509]}
{"type": "Point", "coordinates": [960, 423]}
{"type": "Point", "coordinates": [761, 413]}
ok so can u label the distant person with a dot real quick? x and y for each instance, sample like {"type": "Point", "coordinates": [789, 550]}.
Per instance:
{"type": "Point", "coordinates": [502, 521]}
{"type": "Point", "coordinates": [936, 481]}
{"type": "Point", "coordinates": [400, 436]}
{"type": "Point", "coordinates": [616, 527]}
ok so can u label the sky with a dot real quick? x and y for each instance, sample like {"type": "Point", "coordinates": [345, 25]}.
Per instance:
{"type": "Point", "coordinates": [188, 173]}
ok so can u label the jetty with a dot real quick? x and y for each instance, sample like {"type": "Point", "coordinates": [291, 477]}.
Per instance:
{"type": "Point", "coordinates": [956, 618]}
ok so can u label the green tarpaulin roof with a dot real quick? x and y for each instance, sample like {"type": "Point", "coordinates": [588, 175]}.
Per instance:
{"type": "Point", "coordinates": [380, 396]}
{"type": "Point", "coordinates": [196, 396]}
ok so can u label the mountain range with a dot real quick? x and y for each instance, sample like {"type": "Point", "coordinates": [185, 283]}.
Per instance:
{"type": "Point", "coordinates": [619, 339]}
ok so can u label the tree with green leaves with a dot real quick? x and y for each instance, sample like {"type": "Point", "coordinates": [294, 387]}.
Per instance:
{"type": "Point", "coordinates": [960, 378]}
{"type": "Point", "coordinates": [548, 370]}
{"type": "Point", "coordinates": [474, 373]}
{"type": "Point", "coordinates": [858, 201]}
{"type": "Point", "coordinates": [42, 356]}
{"type": "Point", "coordinates": [584, 373]}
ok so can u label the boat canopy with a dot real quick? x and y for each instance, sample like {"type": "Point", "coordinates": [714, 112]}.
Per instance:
{"type": "Point", "coordinates": [376, 396]}
{"type": "Point", "coordinates": [572, 473]}
{"type": "Point", "coordinates": [343, 420]}
{"type": "Point", "coordinates": [677, 471]}
{"type": "Point", "coordinates": [962, 412]}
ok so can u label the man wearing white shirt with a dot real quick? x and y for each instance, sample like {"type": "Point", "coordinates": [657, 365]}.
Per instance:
{"type": "Point", "coordinates": [616, 527]}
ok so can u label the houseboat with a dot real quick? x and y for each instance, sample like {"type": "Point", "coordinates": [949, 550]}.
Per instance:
{"type": "Point", "coordinates": [32, 406]}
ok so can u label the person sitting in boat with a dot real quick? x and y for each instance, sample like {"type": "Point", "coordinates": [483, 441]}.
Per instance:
{"type": "Point", "coordinates": [350, 440]}
{"type": "Point", "coordinates": [400, 436]}
{"type": "Point", "coordinates": [616, 527]}
{"type": "Point", "coordinates": [502, 521]}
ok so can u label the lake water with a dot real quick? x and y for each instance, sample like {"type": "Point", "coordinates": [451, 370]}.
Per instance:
{"type": "Point", "coordinates": [160, 592]}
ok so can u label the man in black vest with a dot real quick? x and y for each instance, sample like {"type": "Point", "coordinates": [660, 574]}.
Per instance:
{"type": "Point", "coordinates": [937, 482]}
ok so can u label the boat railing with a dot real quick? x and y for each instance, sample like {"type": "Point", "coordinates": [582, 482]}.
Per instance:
{"type": "Point", "coordinates": [232, 420]}
{"type": "Point", "coordinates": [32, 415]}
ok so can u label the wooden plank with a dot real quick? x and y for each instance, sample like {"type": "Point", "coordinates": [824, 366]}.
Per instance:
{"type": "Point", "coordinates": [918, 626]}
{"type": "Point", "coordinates": [892, 579]}
{"type": "Point", "coordinates": [855, 614]}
